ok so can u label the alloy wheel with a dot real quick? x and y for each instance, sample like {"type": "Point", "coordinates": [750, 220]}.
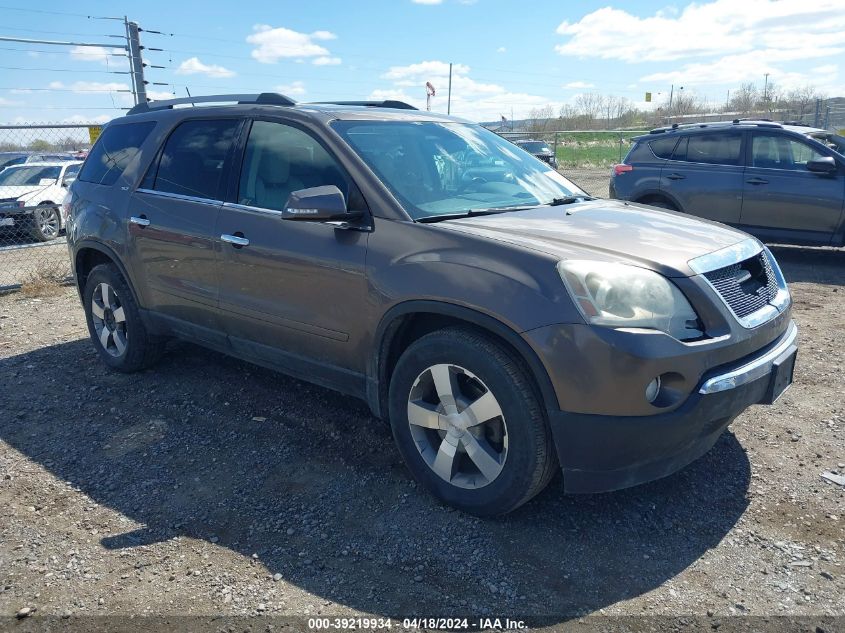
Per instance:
{"type": "Point", "coordinates": [47, 221]}
{"type": "Point", "coordinates": [458, 426]}
{"type": "Point", "coordinates": [109, 319]}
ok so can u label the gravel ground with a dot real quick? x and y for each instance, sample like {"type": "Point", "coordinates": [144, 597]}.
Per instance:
{"type": "Point", "coordinates": [210, 486]}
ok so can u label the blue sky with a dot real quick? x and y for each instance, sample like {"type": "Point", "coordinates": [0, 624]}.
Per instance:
{"type": "Point", "coordinates": [508, 56]}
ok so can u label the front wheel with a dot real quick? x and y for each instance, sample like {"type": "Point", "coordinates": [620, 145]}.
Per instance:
{"type": "Point", "coordinates": [114, 322]}
{"type": "Point", "coordinates": [45, 223]}
{"type": "Point", "coordinates": [468, 423]}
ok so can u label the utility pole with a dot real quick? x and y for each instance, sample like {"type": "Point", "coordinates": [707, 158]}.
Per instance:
{"type": "Point", "coordinates": [136, 64]}
{"type": "Point", "coordinates": [766, 92]}
{"type": "Point", "coordinates": [671, 94]}
{"type": "Point", "coordinates": [449, 97]}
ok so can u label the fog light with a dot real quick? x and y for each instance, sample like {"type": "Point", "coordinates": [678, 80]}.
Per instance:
{"type": "Point", "coordinates": [652, 390]}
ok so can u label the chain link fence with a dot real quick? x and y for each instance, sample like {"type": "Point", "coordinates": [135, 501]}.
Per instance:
{"type": "Point", "coordinates": [37, 163]}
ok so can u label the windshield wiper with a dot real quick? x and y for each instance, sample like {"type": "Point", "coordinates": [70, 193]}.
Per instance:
{"type": "Point", "coordinates": [470, 213]}
{"type": "Point", "coordinates": [556, 202]}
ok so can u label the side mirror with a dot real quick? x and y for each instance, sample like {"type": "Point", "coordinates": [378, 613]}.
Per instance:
{"type": "Point", "coordinates": [318, 204]}
{"type": "Point", "coordinates": [826, 165]}
{"type": "Point", "coordinates": [67, 182]}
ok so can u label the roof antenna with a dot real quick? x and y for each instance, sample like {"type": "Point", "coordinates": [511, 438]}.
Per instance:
{"type": "Point", "coordinates": [193, 105]}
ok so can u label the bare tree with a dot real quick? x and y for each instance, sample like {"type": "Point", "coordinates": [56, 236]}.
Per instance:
{"type": "Point", "coordinates": [745, 99]}
{"type": "Point", "coordinates": [802, 101]}
{"type": "Point", "coordinates": [589, 106]}
{"type": "Point", "coordinates": [541, 120]}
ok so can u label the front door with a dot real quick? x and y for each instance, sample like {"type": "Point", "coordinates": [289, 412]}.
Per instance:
{"type": "Point", "coordinates": [783, 199]}
{"type": "Point", "coordinates": [291, 292]}
{"type": "Point", "coordinates": [172, 220]}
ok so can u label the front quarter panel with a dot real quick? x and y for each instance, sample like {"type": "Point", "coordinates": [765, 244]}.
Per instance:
{"type": "Point", "coordinates": [518, 287]}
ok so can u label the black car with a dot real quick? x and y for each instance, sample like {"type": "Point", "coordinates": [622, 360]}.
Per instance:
{"type": "Point", "coordinates": [783, 183]}
{"type": "Point", "coordinates": [503, 321]}
{"type": "Point", "coordinates": [540, 149]}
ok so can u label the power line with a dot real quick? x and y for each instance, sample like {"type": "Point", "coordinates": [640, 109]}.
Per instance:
{"type": "Point", "coordinates": [66, 70]}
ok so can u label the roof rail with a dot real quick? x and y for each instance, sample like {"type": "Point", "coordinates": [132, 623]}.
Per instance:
{"type": "Point", "coordinates": [266, 98]}
{"type": "Point", "coordinates": [387, 103]}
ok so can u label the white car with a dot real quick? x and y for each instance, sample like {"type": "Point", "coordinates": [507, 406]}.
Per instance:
{"type": "Point", "coordinates": [40, 185]}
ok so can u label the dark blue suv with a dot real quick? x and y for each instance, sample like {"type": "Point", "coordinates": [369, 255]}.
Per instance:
{"type": "Point", "coordinates": [782, 183]}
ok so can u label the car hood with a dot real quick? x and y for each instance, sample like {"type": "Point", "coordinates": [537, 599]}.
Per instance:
{"type": "Point", "coordinates": [607, 230]}
{"type": "Point", "coordinates": [15, 192]}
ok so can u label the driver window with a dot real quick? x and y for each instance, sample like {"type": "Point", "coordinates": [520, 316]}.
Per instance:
{"type": "Point", "coordinates": [280, 159]}
{"type": "Point", "coordinates": [773, 151]}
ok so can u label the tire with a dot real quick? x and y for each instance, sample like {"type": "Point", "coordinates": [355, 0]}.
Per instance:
{"type": "Point", "coordinates": [45, 223]}
{"type": "Point", "coordinates": [114, 322]}
{"type": "Point", "coordinates": [446, 435]}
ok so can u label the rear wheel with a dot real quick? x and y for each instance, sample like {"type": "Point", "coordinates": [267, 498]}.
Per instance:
{"type": "Point", "coordinates": [45, 223]}
{"type": "Point", "coordinates": [114, 322]}
{"type": "Point", "coordinates": [660, 203]}
{"type": "Point", "coordinates": [468, 423]}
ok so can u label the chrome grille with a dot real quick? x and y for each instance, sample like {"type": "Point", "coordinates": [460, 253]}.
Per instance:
{"type": "Point", "coordinates": [746, 286]}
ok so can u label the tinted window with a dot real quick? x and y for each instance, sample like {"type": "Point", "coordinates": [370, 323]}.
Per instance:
{"type": "Point", "coordinates": [280, 159]}
{"type": "Point", "coordinates": [113, 151]}
{"type": "Point", "coordinates": [191, 163]}
{"type": "Point", "coordinates": [662, 147]}
{"type": "Point", "coordinates": [773, 151]}
{"type": "Point", "coordinates": [534, 147]}
{"type": "Point", "coordinates": [714, 149]}
{"type": "Point", "coordinates": [72, 171]}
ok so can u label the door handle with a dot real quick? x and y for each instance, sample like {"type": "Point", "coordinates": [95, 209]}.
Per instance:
{"type": "Point", "coordinates": [139, 220]}
{"type": "Point", "coordinates": [757, 181]}
{"type": "Point", "coordinates": [675, 177]}
{"type": "Point", "coordinates": [238, 241]}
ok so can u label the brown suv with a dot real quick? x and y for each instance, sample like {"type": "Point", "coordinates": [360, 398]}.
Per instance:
{"type": "Point", "coordinates": [502, 320]}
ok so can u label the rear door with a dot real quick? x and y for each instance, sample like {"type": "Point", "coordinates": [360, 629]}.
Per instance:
{"type": "Point", "coordinates": [171, 225]}
{"type": "Point", "coordinates": [704, 175]}
{"type": "Point", "coordinates": [782, 198]}
{"type": "Point", "coordinates": [292, 293]}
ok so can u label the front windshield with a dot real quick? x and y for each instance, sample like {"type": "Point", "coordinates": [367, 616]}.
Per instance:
{"type": "Point", "coordinates": [535, 147]}
{"type": "Point", "coordinates": [447, 168]}
{"type": "Point", "coordinates": [27, 175]}
{"type": "Point", "coordinates": [833, 141]}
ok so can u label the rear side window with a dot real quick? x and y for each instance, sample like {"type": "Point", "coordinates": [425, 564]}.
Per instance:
{"type": "Point", "coordinates": [712, 149]}
{"type": "Point", "coordinates": [113, 151]}
{"type": "Point", "coordinates": [191, 163]}
{"type": "Point", "coordinates": [662, 147]}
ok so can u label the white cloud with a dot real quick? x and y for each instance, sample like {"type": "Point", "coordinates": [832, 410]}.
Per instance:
{"type": "Point", "coordinates": [427, 1]}
{"type": "Point", "coordinates": [273, 44]}
{"type": "Point", "coordinates": [501, 49]}
{"type": "Point", "coordinates": [293, 88]}
{"type": "Point", "coordinates": [87, 118]}
{"type": "Point", "coordinates": [99, 54]}
{"type": "Point", "coordinates": [786, 28]}
{"type": "Point", "coordinates": [734, 69]}
{"type": "Point", "coordinates": [471, 99]}
{"type": "Point", "coordinates": [9, 102]}
{"type": "Point", "coordinates": [96, 86]}
{"type": "Point", "coordinates": [578, 85]}
{"type": "Point", "coordinates": [327, 61]}
{"type": "Point", "coordinates": [193, 66]}
{"type": "Point", "coordinates": [160, 95]}
{"type": "Point", "coordinates": [827, 69]}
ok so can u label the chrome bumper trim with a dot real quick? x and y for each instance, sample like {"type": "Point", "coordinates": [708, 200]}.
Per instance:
{"type": "Point", "coordinates": [752, 370]}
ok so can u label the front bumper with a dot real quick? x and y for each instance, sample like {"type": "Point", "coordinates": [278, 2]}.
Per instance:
{"type": "Point", "coordinates": [600, 453]}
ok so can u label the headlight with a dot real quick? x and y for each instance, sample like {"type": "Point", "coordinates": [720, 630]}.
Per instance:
{"type": "Point", "coordinates": [622, 296]}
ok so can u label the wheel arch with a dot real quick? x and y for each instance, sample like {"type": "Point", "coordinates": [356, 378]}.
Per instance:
{"type": "Point", "coordinates": [88, 254]}
{"type": "Point", "coordinates": [658, 195]}
{"type": "Point", "coordinates": [408, 321]}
